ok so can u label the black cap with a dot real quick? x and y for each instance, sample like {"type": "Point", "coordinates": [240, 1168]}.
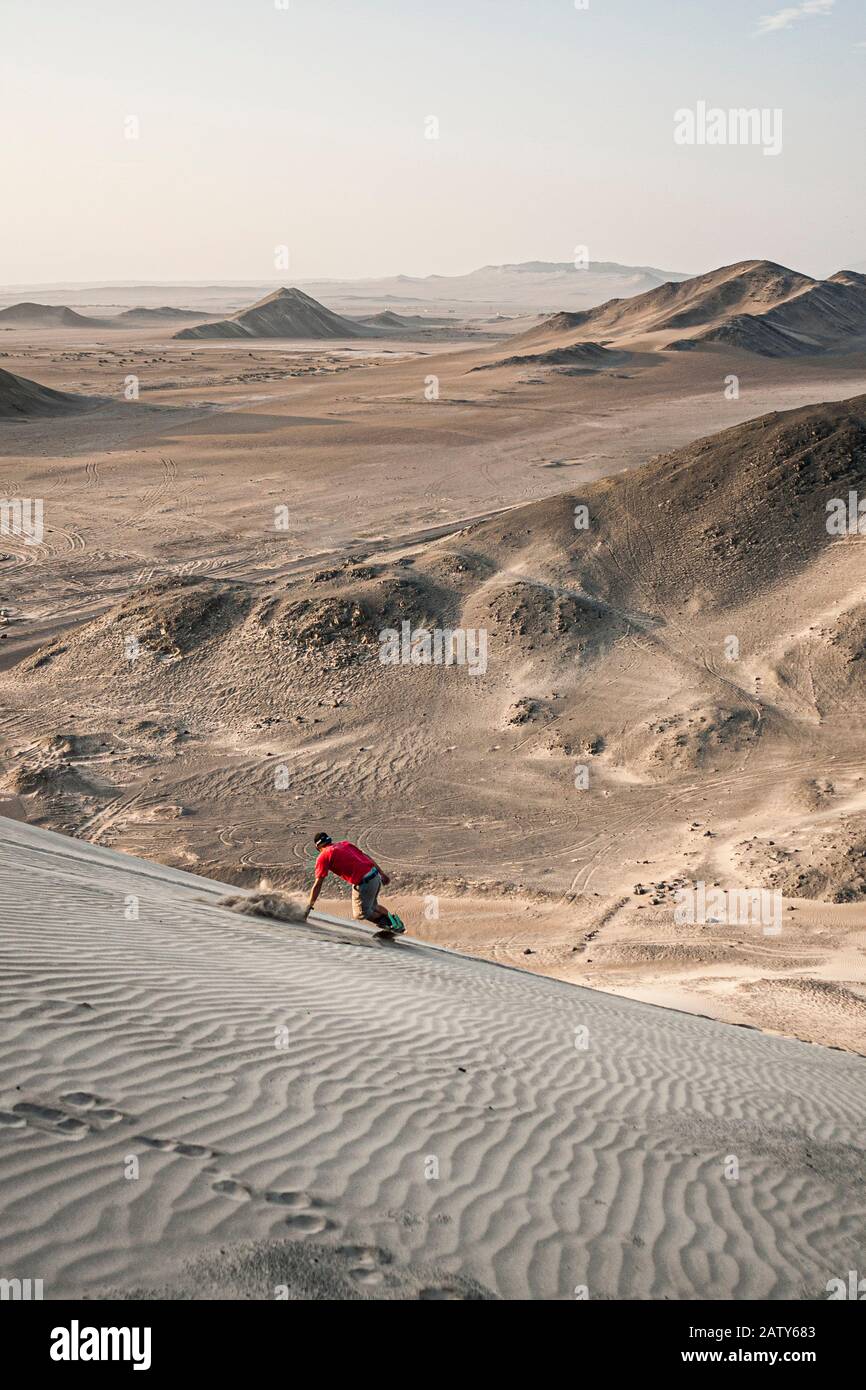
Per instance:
{"type": "Point", "coordinates": [323, 838]}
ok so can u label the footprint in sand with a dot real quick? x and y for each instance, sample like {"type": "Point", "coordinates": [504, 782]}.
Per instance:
{"type": "Point", "coordinates": [228, 1187]}
{"type": "Point", "coordinates": [45, 1117]}
{"type": "Point", "coordinates": [297, 1201]}
{"type": "Point", "coordinates": [301, 1220]}
{"type": "Point", "coordinates": [165, 1145]}
{"type": "Point", "coordinates": [365, 1256]}
{"type": "Point", "coordinates": [96, 1107]}
{"type": "Point", "coordinates": [364, 1264]}
{"type": "Point", "coordinates": [225, 1186]}
{"type": "Point", "coordinates": [82, 1100]}
{"type": "Point", "coordinates": [176, 1146]}
{"type": "Point", "coordinates": [308, 1224]}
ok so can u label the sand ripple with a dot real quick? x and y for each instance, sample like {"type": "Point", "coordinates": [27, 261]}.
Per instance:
{"type": "Point", "coordinates": [440, 1126]}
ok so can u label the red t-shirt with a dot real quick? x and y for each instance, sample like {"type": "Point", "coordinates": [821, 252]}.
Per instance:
{"type": "Point", "coordinates": [345, 860]}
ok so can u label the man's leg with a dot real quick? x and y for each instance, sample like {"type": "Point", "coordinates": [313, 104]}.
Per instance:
{"type": "Point", "coordinates": [385, 918]}
{"type": "Point", "coordinates": [368, 898]}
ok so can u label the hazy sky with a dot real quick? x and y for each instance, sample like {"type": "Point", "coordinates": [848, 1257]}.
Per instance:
{"type": "Point", "coordinates": [305, 126]}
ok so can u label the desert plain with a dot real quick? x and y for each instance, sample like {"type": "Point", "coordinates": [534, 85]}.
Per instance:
{"type": "Point", "coordinates": [670, 696]}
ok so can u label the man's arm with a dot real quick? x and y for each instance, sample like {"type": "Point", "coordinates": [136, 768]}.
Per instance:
{"type": "Point", "coordinates": [316, 890]}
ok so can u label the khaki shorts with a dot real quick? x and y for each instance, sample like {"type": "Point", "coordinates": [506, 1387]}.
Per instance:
{"type": "Point", "coordinates": [365, 897]}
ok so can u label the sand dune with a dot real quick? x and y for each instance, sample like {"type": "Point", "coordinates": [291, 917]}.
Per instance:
{"type": "Point", "coordinates": [230, 1105]}
{"type": "Point", "coordinates": [146, 316]}
{"type": "Point", "coordinates": [580, 356]}
{"type": "Point", "coordinates": [404, 323]}
{"type": "Point", "coordinates": [757, 306]}
{"type": "Point", "coordinates": [287, 313]}
{"type": "Point", "coordinates": [48, 316]}
{"type": "Point", "coordinates": [23, 399]}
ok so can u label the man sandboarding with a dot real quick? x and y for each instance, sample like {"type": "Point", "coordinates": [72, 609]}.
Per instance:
{"type": "Point", "coordinates": [351, 864]}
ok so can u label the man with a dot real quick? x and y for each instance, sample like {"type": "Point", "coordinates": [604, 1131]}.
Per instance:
{"type": "Point", "coordinates": [354, 866]}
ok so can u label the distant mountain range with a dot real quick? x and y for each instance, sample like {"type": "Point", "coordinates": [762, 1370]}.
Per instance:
{"type": "Point", "coordinates": [527, 287]}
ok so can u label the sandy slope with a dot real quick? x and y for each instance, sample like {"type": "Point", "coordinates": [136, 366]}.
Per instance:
{"type": "Point", "coordinates": [287, 313]}
{"type": "Point", "coordinates": [809, 983]}
{"type": "Point", "coordinates": [48, 316]}
{"type": "Point", "coordinates": [581, 1140]}
{"type": "Point", "coordinates": [21, 399]}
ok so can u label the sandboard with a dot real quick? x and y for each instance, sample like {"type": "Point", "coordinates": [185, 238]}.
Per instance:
{"type": "Point", "coordinates": [379, 933]}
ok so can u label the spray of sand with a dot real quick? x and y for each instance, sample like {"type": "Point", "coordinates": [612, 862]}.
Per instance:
{"type": "Point", "coordinates": [267, 904]}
